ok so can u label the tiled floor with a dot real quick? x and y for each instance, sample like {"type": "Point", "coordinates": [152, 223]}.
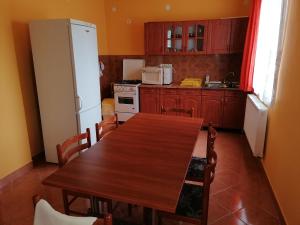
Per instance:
{"type": "Point", "coordinates": [239, 195]}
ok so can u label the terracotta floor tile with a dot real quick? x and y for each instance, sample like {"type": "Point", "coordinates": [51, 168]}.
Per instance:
{"type": "Point", "coordinates": [216, 211]}
{"type": "Point", "coordinates": [256, 216]}
{"type": "Point", "coordinates": [229, 220]}
{"type": "Point", "coordinates": [240, 193]}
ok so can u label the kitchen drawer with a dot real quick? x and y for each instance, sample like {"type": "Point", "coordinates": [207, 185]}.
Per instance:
{"type": "Point", "coordinates": [189, 91]}
{"type": "Point", "coordinates": [234, 93]}
{"type": "Point", "coordinates": [149, 90]}
{"type": "Point", "coordinates": [169, 91]}
{"type": "Point", "coordinates": [233, 99]}
{"type": "Point", "coordinates": [217, 93]}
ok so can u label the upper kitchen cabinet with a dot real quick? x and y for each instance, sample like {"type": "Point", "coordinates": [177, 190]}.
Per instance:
{"type": "Point", "coordinates": [238, 34]}
{"type": "Point", "coordinates": [196, 37]}
{"type": "Point", "coordinates": [219, 36]}
{"type": "Point", "coordinates": [174, 38]}
{"type": "Point", "coordinates": [154, 38]}
{"type": "Point", "coordinates": [185, 37]}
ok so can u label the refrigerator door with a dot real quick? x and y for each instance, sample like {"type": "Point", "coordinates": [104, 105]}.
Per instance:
{"type": "Point", "coordinates": [88, 119]}
{"type": "Point", "coordinates": [86, 66]}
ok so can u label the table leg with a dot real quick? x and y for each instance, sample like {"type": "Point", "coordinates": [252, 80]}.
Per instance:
{"type": "Point", "coordinates": [154, 222]}
{"type": "Point", "coordinates": [150, 216]}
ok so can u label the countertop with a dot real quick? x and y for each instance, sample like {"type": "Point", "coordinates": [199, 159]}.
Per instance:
{"type": "Point", "coordinates": [177, 85]}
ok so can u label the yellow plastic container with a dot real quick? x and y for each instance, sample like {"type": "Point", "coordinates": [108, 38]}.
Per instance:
{"type": "Point", "coordinates": [108, 107]}
{"type": "Point", "coordinates": [191, 82]}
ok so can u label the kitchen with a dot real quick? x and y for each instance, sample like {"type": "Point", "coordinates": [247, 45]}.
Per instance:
{"type": "Point", "coordinates": [121, 36]}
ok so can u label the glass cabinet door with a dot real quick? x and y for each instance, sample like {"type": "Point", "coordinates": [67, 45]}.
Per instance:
{"type": "Point", "coordinates": [169, 36]}
{"type": "Point", "coordinates": [174, 38]}
{"type": "Point", "coordinates": [195, 37]}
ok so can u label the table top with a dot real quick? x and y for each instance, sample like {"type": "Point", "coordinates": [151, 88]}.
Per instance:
{"type": "Point", "coordinates": [143, 162]}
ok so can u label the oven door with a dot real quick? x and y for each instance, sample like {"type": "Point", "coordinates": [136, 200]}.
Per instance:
{"type": "Point", "coordinates": [126, 102]}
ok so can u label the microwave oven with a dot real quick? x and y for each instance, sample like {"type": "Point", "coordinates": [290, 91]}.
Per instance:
{"type": "Point", "coordinates": [161, 74]}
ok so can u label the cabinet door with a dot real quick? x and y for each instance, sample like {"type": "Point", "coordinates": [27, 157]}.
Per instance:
{"type": "Point", "coordinates": [238, 34]}
{"type": "Point", "coordinates": [219, 36]}
{"type": "Point", "coordinates": [188, 102]}
{"type": "Point", "coordinates": [212, 110]}
{"type": "Point", "coordinates": [154, 40]}
{"type": "Point", "coordinates": [169, 101]}
{"type": "Point", "coordinates": [195, 37]}
{"type": "Point", "coordinates": [149, 100]}
{"type": "Point", "coordinates": [234, 112]}
{"type": "Point", "coordinates": [174, 38]}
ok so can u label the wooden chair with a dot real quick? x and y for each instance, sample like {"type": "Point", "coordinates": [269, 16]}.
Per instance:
{"type": "Point", "coordinates": [190, 112]}
{"type": "Point", "coordinates": [193, 203]}
{"type": "Point", "coordinates": [106, 126]}
{"type": "Point", "coordinates": [46, 215]}
{"type": "Point", "coordinates": [65, 152]}
{"type": "Point", "coordinates": [197, 165]}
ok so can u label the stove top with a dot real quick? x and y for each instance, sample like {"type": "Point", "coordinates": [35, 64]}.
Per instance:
{"type": "Point", "coordinates": [129, 82]}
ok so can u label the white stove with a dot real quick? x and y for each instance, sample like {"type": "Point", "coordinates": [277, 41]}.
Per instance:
{"type": "Point", "coordinates": [127, 91]}
{"type": "Point", "coordinates": [126, 99]}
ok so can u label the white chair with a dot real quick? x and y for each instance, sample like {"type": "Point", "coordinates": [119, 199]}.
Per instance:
{"type": "Point", "coordinates": [46, 215]}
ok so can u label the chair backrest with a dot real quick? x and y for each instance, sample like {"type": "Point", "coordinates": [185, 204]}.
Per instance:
{"type": "Point", "coordinates": [106, 126]}
{"type": "Point", "coordinates": [190, 112]}
{"type": "Point", "coordinates": [72, 146]}
{"type": "Point", "coordinates": [211, 137]}
{"type": "Point", "coordinates": [209, 175]}
{"type": "Point", "coordinates": [46, 215]}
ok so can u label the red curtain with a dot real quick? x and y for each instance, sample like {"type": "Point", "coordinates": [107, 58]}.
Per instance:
{"type": "Point", "coordinates": [246, 83]}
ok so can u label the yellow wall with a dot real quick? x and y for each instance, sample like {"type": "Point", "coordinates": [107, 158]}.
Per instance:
{"type": "Point", "coordinates": [21, 135]}
{"type": "Point", "coordinates": [283, 150]}
{"type": "Point", "coordinates": [128, 39]}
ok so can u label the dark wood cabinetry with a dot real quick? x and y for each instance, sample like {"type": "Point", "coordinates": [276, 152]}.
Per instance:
{"type": "Point", "coordinates": [238, 34]}
{"type": "Point", "coordinates": [185, 37]}
{"type": "Point", "coordinates": [234, 109]}
{"type": "Point", "coordinates": [221, 36]}
{"type": "Point", "coordinates": [149, 100]}
{"type": "Point", "coordinates": [224, 108]}
{"type": "Point", "coordinates": [212, 107]}
{"type": "Point", "coordinates": [188, 102]}
{"type": "Point", "coordinates": [181, 98]}
{"type": "Point", "coordinates": [154, 38]}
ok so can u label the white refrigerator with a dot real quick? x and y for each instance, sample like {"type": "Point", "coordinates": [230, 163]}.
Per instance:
{"type": "Point", "coordinates": [65, 56]}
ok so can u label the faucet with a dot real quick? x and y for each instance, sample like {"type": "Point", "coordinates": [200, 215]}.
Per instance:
{"type": "Point", "coordinates": [229, 79]}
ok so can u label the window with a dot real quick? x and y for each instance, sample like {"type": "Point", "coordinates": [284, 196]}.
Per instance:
{"type": "Point", "coordinates": [269, 46]}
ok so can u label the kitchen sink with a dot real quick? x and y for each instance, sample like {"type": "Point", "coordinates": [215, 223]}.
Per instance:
{"type": "Point", "coordinates": [221, 85]}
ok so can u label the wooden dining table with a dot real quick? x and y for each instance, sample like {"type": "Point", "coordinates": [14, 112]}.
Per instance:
{"type": "Point", "coordinates": [143, 162]}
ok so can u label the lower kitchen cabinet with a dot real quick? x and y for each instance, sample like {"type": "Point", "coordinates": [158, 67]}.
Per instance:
{"type": "Point", "coordinates": [181, 98]}
{"type": "Point", "coordinates": [188, 102]}
{"type": "Point", "coordinates": [234, 110]}
{"type": "Point", "coordinates": [149, 100]}
{"type": "Point", "coordinates": [212, 107]}
{"type": "Point", "coordinates": [169, 99]}
{"type": "Point", "coordinates": [223, 108]}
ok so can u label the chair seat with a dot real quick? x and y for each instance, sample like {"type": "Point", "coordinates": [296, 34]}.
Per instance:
{"type": "Point", "coordinates": [196, 168]}
{"type": "Point", "coordinates": [190, 201]}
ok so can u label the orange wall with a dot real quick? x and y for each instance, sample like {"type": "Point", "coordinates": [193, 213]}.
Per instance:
{"type": "Point", "coordinates": [282, 157]}
{"type": "Point", "coordinates": [14, 143]}
{"type": "Point", "coordinates": [128, 39]}
{"type": "Point", "coordinates": [21, 135]}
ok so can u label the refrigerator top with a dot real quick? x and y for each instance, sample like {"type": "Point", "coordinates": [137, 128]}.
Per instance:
{"type": "Point", "coordinates": [67, 21]}
{"type": "Point", "coordinates": [82, 23]}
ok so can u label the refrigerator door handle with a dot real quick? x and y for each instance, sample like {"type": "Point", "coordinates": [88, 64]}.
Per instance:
{"type": "Point", "coordinates": [79, 103]}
